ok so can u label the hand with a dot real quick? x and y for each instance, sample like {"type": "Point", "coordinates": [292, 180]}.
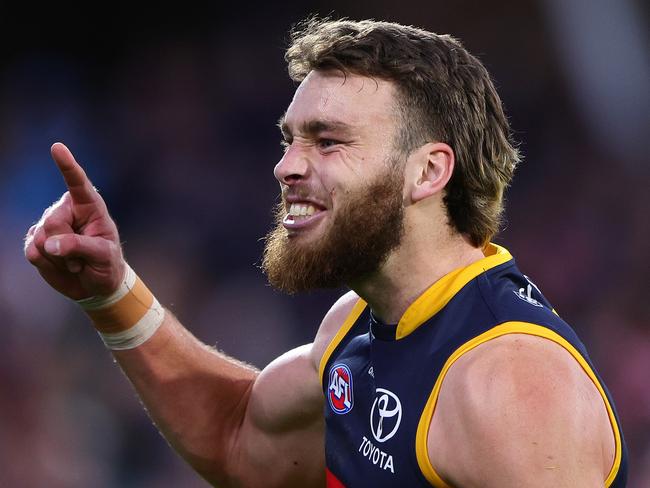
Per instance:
{"type": "Point", "coordinates": [75, 245]}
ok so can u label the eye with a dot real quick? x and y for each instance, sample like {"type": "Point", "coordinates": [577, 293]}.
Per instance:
{"type": "Point", "coordinates": [327, 143]}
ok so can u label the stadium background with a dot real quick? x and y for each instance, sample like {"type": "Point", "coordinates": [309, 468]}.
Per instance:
{"type": "Point", "coordinates": [172, 111]}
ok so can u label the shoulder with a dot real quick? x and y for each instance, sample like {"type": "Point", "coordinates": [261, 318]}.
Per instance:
{"type": "Point", "coordinates": [515, 365]}
{"type": "Point", "coordinates": [521, 371]}
{"type": "Point", "coordinates": [331, 324]}
{"type": "Point", "coordinates": [521, 406]}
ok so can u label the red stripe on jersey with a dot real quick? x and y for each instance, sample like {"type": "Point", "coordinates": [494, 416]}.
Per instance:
{"type": "Point", "coordinates": [332, 481]}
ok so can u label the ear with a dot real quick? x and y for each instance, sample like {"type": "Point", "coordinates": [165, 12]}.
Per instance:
{"type": "Point", "coordinates": [433, 165]}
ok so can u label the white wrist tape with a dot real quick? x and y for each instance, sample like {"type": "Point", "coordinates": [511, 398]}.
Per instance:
{"type": "Point", "coordinates": [127, 317]}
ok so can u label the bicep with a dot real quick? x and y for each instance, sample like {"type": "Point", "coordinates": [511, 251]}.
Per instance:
{"type": "Point", "coordinates": [287, 393]}
{"type": "Point", "coordinates": [281, 439]}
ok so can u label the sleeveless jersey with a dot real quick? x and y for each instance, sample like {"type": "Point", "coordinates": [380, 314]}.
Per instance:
{"type": "Point", "coordinates": [381, 382]}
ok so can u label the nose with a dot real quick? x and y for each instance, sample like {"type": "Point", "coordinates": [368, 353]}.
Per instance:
{"type": "Point", "coordinates": [293, 166]}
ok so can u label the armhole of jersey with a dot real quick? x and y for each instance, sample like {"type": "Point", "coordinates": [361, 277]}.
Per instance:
{"type": "Point", "coordinates": [340, 334]}
{"type": "Point", "coordinates": [421, 449]}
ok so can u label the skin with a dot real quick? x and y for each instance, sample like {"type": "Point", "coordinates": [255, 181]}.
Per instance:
{"type": "Point", "coordinates": [227, 420]}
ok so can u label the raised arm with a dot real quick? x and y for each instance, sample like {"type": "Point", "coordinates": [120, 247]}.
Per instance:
{"type": "Point", "coordinates": [235, 425]}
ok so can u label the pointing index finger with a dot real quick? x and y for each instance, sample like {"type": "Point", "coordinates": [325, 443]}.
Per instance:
{"type": "Point", "coordinates": [80, 188]}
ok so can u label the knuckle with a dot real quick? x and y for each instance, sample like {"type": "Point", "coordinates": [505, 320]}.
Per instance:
{"type": "Point", "coordinates": [41, 220]}
{"type": "Point", "coordinates": [48, 211]}
{"type": "Point", "coordinates": [39, 236]}
{"type": "Point", "coordinates": [50, 226]}
{"type": "Point", "coordinates": [32, 254]}
{"type": "Point", "coordinates": [28, 239]}
{"type": "Point", "coordinates": [55, 205]}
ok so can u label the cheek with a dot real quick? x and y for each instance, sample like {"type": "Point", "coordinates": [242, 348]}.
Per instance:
{"type": "Point", "coordinates": [329, 179]}
{"type": "Point", "coordinates": [345, 170]}
{"type": "Point", "coordinates": [337, 184]}
{"type": "Point", "coordinates": [356, 164]}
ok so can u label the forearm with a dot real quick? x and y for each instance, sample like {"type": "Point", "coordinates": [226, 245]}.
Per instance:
{"type": "Point", "coordinates": [196, 396]}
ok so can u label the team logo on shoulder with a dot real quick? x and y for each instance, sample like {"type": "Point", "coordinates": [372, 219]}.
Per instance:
{"type": "Point", "coordinates": [386, 415]}
{"type": "Point", "coordinates": [340, 389]}
{"type": "Point", "coordinates": [525, 294]}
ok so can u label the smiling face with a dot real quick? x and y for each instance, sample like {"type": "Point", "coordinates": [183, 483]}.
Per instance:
{"type": "Point", "coordinates": [342, 184]}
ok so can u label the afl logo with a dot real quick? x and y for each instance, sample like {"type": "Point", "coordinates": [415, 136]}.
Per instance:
{"type": "Point", "coordinates": [340, 389]}
{"type": "Point", "coordinates": [386, 415]}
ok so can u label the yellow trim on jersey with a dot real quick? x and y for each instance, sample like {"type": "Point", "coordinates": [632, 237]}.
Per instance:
{"type": "Point", "coordinates": [342, 332]}
{"type": "Point", "coordinates": [421, 449]}
{"type": "Point", "coordinates": [443, 290]}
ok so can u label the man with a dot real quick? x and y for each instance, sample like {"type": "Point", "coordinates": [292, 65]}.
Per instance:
{"type": "Point", "coordinates": [445, 366]}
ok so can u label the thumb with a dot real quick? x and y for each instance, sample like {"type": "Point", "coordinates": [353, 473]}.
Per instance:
{"type": "Point", "coordinates": [88, 248]}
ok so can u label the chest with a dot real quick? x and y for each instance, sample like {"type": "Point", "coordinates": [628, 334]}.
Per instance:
{"type": "Point", "coordinates": [376, 392]}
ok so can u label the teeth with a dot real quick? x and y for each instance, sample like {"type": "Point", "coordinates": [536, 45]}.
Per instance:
{"type": "Point", "coordinates": [301, 210]}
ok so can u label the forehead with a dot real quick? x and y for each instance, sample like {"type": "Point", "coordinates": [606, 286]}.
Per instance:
{"type": "Point", "coordinates": [358, 101]}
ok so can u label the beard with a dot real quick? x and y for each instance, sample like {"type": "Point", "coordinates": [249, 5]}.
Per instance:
{"type": "Point", "coordinates": [359, 239]}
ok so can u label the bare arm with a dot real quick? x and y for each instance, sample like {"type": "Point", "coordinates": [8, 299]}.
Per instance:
{"type": "Point", "coordinates": [236, 426]}
{"type": "Point", "coordinates": [208, 408]}
{"type": "Point", "coordinates": [520, 411]}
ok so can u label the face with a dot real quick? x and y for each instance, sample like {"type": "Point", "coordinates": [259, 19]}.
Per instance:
{"type": "Point", "coordinates": [342, 187]}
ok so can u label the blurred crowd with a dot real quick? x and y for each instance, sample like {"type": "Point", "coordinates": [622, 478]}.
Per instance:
{"type": "Point", "coordinates": [176, 128]}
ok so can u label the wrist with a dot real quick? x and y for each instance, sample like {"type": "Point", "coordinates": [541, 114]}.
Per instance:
{"type": "Point", "coordinates": [128, 317]}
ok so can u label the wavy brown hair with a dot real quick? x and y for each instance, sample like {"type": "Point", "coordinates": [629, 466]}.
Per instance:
{"type": "Point", "coordinates": [444, 94]}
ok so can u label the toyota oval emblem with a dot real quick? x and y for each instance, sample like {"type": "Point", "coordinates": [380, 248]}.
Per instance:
{"type": "Point", "coordinates": [385, 415]}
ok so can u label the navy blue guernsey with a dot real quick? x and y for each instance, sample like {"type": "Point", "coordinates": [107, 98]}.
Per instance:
{"type": "Point", "coordinates": [381, 382]}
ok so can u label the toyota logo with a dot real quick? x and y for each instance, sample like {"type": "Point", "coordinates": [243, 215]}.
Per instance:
{"type": "Point", "coordinates": [385, 415]}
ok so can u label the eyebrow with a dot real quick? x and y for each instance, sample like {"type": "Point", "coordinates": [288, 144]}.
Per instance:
{"type": "Point", "coordinates": [315, 126]}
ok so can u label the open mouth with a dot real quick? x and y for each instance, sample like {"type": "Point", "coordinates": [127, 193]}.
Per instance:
{"type": "Point", "coordinates": [302, 215]}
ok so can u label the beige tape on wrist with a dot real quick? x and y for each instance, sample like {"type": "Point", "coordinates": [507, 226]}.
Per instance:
{"type": "Point", "coordinates": [128, 317]}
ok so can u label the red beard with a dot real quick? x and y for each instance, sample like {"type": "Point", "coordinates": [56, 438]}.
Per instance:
{"type": "Point", "coordinates": [360, 237]}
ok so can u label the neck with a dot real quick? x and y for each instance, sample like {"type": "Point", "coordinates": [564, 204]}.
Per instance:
{"type": "Point", "coordinates": [410, 270]}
